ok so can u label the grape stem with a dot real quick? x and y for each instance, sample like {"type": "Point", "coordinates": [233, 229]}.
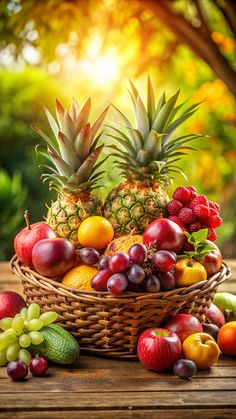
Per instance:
{"type": "Point", "coordinates": [27, 220]}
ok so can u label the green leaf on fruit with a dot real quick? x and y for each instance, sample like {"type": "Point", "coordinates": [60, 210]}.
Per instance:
{"type": "Point", "coordinates": [200, 235]}
{"type": "Point", "coordinates": [200, 246]}
{"type": "Point", "coordinates": [190, 254]}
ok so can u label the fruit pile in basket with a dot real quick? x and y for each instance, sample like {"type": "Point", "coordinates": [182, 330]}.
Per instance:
{"type": "Point", "coordinates": [139, 239]}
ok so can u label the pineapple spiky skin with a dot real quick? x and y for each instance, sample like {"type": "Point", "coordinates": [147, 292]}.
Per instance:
{"type": "Point", "coordinates": [122, 244]}
{"type": "Point", "coordinates": [67, 213]}
{"type": "Point", "coordinates": [132, 205]}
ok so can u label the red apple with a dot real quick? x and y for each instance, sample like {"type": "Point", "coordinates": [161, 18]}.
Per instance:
{"type": "Point", "coordinates": [159, 349]}
{"type": "Point", "coordinates": [53, 257]}
{"type": "Point", "coordinates": [11, 303]}
{"type": "Point", "coordinates": [183, 325]}
{"type": "Point", "coordinates": [215, 315]}
{"type": "Point", "coordinates": [212, 261]}
{"type": "Point", "coordinates": [28, 237]}
{"type": "Point", "coordinates": [166, 234]}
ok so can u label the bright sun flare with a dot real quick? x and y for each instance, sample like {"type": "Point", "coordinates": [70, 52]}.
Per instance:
{"type": "Point", "coordinates": [101, 68]}
{"type": "Point", "coordinates": [98, 65]}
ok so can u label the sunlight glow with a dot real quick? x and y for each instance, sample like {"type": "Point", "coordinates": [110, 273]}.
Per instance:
{"type": "Point", "coordinates": [102, 68]}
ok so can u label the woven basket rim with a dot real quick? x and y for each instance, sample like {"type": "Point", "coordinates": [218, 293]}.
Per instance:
{"type": "Point", "coordinates": [28, 274]}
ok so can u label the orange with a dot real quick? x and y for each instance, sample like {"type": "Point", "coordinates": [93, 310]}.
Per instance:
{"type": "Point", "coordinates": [95, 232]}
{"type": "Point", "coordinates": [80, 277]}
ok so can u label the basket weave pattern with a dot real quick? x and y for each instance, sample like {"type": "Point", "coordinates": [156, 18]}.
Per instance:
{"type": "Point", "coordinates": [110, 325]}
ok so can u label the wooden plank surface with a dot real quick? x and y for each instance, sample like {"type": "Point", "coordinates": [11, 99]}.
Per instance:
{"type": "Point", "coordinates": [107, 388]}
{"type": "Point", "coordinates": [216, 413]}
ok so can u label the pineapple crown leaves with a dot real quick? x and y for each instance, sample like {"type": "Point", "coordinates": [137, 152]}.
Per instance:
{"type": "Point", "coordinates": [73, 150]}
{"type": "Point", "coordinates": [150, 146]}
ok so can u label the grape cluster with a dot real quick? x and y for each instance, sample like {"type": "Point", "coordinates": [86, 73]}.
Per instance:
{"type": "Point", "coordinates": [21, 331]}
{"type": "Point", "coordinates": [127, 272]}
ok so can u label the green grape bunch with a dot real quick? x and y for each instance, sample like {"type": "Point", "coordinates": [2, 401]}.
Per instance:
{"type": "Point", "coordinates": [21, 331]}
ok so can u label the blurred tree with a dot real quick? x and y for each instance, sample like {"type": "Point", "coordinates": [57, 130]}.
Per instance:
{"type": "Point", "coordinates": [193, 23]}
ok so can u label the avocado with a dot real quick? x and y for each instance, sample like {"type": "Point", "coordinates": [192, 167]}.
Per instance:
{"type": "Point", "coordinates": [58, 346]}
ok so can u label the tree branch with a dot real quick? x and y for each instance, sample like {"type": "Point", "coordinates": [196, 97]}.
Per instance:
{"type": "Point", "coordinates": [230, 9]}
{"type": "Point", "coordinates": [204, 27]}
{"type": "Point", "coordinates": [199, 43]}
{"type": "Point", "coordinates": [227, 19]}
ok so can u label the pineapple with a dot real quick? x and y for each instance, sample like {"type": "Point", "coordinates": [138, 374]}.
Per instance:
{"type": "Point", "coordinates": [72, 154]}
{"type": "Point", "coordinates": [122, 244]}
{"type": "Point", "coordinates": [147, 154]}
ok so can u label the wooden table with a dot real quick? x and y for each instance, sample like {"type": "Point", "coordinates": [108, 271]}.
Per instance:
{"type": "Point", "coordinates": [103, 388]}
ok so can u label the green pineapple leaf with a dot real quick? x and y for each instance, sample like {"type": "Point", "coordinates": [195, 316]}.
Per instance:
{"type": "Point", "coordinates": [150, 101]}
{"type": "Point", "coordinates": [83, 116]}
{"type": "Point", "coordinates": [162, 117]}
{"type": "Point", "coordinates": [51, 121]}
{"type": "Point", "coordinates": [142, 121]}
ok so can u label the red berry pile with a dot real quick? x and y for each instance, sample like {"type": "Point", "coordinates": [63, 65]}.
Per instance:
{"type": "Point", "coordinates": [193, 212]}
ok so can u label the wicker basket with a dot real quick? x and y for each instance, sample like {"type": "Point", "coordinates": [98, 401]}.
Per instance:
{"type": "Point", "coordinates": [110, 326]}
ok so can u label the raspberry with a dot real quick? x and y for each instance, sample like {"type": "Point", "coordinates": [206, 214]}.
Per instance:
{"type": "Point", "coordinates": [194, 227]}
{"type": "Point", "coordinates": [182, 194]}
{"type": "Point", "coordinates": [214, 205]}
{"type": "Point", "coordinates": [193, 191]}
{"type": "Point", "coordinates": [200, 199]}
{"type": "Point", "coordinates": [212, 236]}
{"type": "Point", "coordinates": [176, 220]}
{"type": "Point", "coordinates": [201, 211]}
{"type": "Point", "coordinates": [174, 207]}
{"type": "Point", "coordinates": [186, 215]}
{"type": "Point", "coordinates": [213, 211]}
{"type": "Point", "coordinates": [214, 221]}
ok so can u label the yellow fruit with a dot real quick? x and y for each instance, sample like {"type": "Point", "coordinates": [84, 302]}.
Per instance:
{"type": "Point", "coordinates": [188, 272]}
{"type": "Point", "coordinates": [122, 244]}
{"type": "Point", "coordinates": [95, 232]}
{"type": "Point", "coordinates": [80, 277]}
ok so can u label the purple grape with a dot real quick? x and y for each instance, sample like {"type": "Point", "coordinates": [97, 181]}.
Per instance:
{"type": "Point", "coordinates": [38, 366]}
{"type": "Point", "coordinates": [89, 256]}
{"type": "Point", "coordinates": [137, 253]}
{"type": "Point", "coordinates": [184, 368]}
{"type": "Point", "coordinates": [135, 274]}
{"type": "Point", "coordinates": [99, 281]}
{"type": "Point", "coordinates": [152, 283]}
{"type": "Point", "coordinates": [135, 288]}
{"type": "Point", "coordinates": [167, 280]}
{"type": "Point", "coordinates": [119, 263]}
{"type": "Point", "coordinates": [164, 261]}
{"type": "Point", "coordinates": [17, 370]}
{"type": "Point", "coordinates": [117, 283]}
{"type": "Point", "coordinates": [103, 263]}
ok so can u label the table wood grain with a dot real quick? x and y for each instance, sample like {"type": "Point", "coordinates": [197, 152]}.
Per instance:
{"type": "Point", "coordinates": [104, 388]}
